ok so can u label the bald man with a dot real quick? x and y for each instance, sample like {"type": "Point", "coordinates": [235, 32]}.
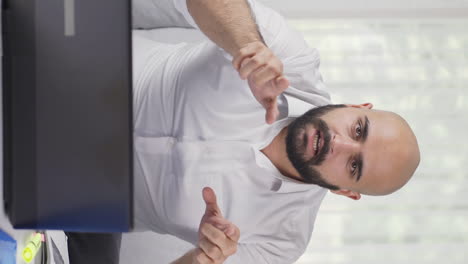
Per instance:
{"type": "Point", "coordinates": [237, 142]}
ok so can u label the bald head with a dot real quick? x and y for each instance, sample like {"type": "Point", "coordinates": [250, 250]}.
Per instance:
{"type": "Point", "coordinates": [395, 154]}
{"type": "Point", "coordinates": [353, 149]}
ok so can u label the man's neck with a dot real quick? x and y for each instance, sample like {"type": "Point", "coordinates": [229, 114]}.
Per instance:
{"type": "Point", "coordinates": [276, 153]}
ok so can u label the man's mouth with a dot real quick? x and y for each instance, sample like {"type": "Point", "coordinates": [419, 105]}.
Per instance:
{"type": "Point", "coordinates": [314, 143]}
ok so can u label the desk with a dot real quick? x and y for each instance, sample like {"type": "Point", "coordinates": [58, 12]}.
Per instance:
{"type": "Point", "coordinates": [21, 236]}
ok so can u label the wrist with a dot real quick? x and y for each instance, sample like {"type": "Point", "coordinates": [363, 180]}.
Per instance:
{"type": "Point", "coordinates": [187, 258]}
{"type": "Point", "coordinates": [248, 50]}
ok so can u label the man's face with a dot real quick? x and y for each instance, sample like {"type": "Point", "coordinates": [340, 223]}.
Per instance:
{"type": "Point", "coordinates": [351, 148]}
{"type": "Point", "coordinates": [308, 143]}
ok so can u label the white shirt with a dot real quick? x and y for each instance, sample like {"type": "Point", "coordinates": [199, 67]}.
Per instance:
{"type": "Point", "coordinates": [197, 124]}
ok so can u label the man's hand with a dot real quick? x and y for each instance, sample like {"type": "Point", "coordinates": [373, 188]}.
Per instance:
{"type": "Point", "coordinates": [264, 72]}
{"type": "Point", "coordinates": [217, 236]}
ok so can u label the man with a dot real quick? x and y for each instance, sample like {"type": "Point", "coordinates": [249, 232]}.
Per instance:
{"type": "Point", "coordinates": [245, 123]}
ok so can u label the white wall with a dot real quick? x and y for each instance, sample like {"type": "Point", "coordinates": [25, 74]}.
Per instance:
{"type": "Point", "coordinates": [370, 8]}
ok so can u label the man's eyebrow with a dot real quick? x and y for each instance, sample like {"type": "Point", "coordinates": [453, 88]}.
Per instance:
{"type": "Point", "coordinates": [365, 129]}
{"type": "Point", "coordinates": [359, 159]}
{"type": "Point", "coordinates": [360, 166]}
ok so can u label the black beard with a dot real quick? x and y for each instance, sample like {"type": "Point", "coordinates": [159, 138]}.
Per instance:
{"type": "Point", "coordinates": [296, 145]}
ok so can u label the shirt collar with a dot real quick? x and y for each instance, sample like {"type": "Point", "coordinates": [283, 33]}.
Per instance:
{"type": "Point", "coordinates": [281, 183]}
{"type": "Point", "coordinates": [297, 107]}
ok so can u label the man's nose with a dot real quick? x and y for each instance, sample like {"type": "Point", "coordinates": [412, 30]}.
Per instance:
{"type": "Point", "coordinates": [341, 144]}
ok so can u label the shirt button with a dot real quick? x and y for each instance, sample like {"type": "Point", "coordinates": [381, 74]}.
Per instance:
{"type": "Point", "coordinates": [276, 185]}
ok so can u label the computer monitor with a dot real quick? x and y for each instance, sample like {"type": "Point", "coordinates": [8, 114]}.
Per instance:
{"type": "Point", "coordinates": [67, 114]}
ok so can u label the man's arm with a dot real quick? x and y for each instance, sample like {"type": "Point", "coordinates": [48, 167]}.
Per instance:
{"type": "Point", "coordinates": [217, 237]}
{"type": "Point", "coordinates": [185, 259]}
{"type": "Point", "coordinates": [230, 24]}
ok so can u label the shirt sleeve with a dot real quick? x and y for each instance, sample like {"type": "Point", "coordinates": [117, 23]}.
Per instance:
{"type": "Point", "coordinates": [300, 62]}
{"type": "Point", "coordinates": [286, 245]}
{"type": "Point", "coordinates": [267, 253]}
{"type": "Point", "coordinates": [181, 6]}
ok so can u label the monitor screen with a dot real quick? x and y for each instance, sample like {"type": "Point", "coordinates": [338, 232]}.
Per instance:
{"type": "Point", "coordinates": [67, 114]}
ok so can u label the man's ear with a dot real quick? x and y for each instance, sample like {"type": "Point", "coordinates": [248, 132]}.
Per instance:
{"type": "Point", "coordinates": [364, 105]}
{"type": "Point", "coordinates": [350, 194]}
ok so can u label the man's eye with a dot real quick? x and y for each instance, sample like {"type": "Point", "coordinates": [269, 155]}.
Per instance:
{"type": "Point", "coordinates": [358, 130]}
{"type": "Point", "coordinates": [353, 166]}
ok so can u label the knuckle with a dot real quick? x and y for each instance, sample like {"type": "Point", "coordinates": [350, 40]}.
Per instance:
{"type": "Point", "coordinates": [270, 54]}
{"type": "Point", "coordinates": [268, 100]}
{"type": "Point", "coordinates": [204, 228]}
{"type": "Point", "coordinates": [199, 257]}
{"type": "Point", "coordinates": [212, 252]}
{"type": "Point", "coordinates": [256, 82]}
{"type": "Point", "coordinates": [216, 236]}
{"type": "Point", "coordinates": [218, 255]}
{"type": "Point", "coordinates": [242, 73]}
{"type": "Point", "coordinates": [211, 219]}
{"type": "Point", "coordinates": [229, 251]}
{"type": "Point", "coordinates": [232, 249]}
{"type": "Point", "coordinates": [219, 260]}
{"type": "Point", "coordinates": [280, 65]}
{"type": "Point", "coordinates": [256, 61]}
{"type": "Point", "coordinates": [243, 51]}
{"type": "Point", "coordinates": [274, 69]}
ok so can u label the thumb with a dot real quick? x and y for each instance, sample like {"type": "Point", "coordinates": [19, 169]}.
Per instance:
{"type": "Point", "coordinates": [209, 197]}
{"type": "Point", "coordinates": [272, 112]}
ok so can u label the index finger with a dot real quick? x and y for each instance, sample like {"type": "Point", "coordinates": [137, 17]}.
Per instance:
{"type": "Point", "coordinates": [232, 232]}
{"type": "Point", "coordinates": [229, 229]}
{"type": "Point", "coordinates": [215, 236]}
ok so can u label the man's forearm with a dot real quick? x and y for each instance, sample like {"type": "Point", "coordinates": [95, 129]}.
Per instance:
{"type": "Point", "coordinates": [185, 259]}
{"type": "Point", "coordinates": [228, 23]}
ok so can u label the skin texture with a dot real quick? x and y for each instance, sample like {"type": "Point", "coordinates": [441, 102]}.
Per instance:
{"type": "Point", "coordinates": [390, 153]}
{"type": "Point", "coordinates": [217, 237]}
{"type": "Point", "coordinates": [229, 24]}
{"type": "Point", "coordinates": [257, 64]}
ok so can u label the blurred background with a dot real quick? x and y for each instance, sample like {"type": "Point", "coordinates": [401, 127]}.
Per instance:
{"type": "Point", "coordinates": [417, 67]}
{"type": "Point", "coordinates": [410, 57]}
